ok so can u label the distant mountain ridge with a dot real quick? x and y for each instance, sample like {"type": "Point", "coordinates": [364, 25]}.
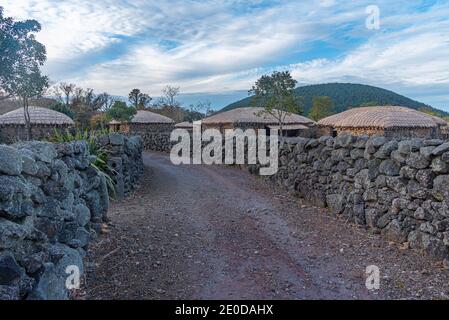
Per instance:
{"type": "Point", "coordinates": [346, 96]}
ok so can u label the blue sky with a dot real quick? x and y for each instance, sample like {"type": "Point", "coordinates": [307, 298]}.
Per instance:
{"type": "Point", "coordinates": [215, 50]}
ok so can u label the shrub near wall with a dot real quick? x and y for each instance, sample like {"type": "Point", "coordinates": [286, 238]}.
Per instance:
{"type": "Point", "coordinates": [397, 188]}
{"type": "Point", "coordinates": [52, 202]}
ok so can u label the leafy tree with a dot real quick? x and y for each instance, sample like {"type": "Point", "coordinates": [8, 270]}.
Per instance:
{"type": "Point", "coordinates": [20, 53]}
{"type": "Point", "coordinates": [121, 112]}
{"type": "Point", "coordinates": [322, 107]}
{"type": "Point", "coordinates": [21, 57]}
{"type": "Point", "coordinates": [28, 83]}
{"type": "Point", "coordinates": [275, 93]}
{"type": "Point", "coordinates": [85, 104]}
{"type": "Point", "coordinates": [139, 99]}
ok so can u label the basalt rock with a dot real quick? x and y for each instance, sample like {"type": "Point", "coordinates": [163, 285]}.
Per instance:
{"type": "Point", "coordinates": [50, 200]}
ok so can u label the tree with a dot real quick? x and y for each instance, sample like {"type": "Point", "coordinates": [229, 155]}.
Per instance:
{"type": "Point", "coordinates": [85, 104]}
{"type": "Point", "coordinates": [133, 97]}
{"type": "Point", "coordinates": [28, 83]}
{"type": "Point", "coordinates": [99, 121]}
{"type": "Point", "coordinates": [168, 98]}
{"type": "Point", "coordinates": [322, 107]}
{"type": "Point", "coordinates": [64, 92]}
{"type": "Point", "coordinates": [21, 57]}
{"type": "Point", "coordinates": [121, 112]}
{"type": "Point", "coordinates": [275, 94]}
{"type": "Point", "coordinates": [20, 52]}
{"type": "Point", "coordinates": [139, 99]}
{"type": "Point", "coordinates": [144, 101]}
{"type": "Point", "coordinates": [105, 101]}
{"type": "Point", "coordinates": [198, 111]}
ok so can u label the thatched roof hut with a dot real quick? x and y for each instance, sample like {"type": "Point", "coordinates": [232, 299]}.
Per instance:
{"type": "Point", "coordinates": [144, 116]}
{"type": "Point", "coordinates": [252, 115]}
{"type": "Point", "coordinates": [43, 124]}
{"type": "Point", "coordinates": [394, 121]}
{"type": "Point", "coordinates": [38, 116]}
{"type": "Point", "coordinates": [254, 118]}
{"type": "Point", "coordinates": [143, 121]}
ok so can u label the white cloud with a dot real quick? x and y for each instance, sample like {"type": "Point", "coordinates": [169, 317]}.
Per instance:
{"type": "Point", "coordinates": [218, 45]}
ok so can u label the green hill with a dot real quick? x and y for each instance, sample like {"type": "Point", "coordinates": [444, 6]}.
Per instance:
{"type": "Point", "coordinates": [346, 96]}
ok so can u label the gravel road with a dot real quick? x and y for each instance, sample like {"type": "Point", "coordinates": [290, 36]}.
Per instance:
{"type": "Point", "coordinates": [215, 232]}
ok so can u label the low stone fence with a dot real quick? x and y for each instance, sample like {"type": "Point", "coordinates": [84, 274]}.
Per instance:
{"type": "Point", "coordinates": [397, 188]}
{"type": "Point", "coordinates": [125, 158]}
{"type": "Point", "coordinates": [155, 136]}
{"type": "Point", "coordinates": [52, 203]}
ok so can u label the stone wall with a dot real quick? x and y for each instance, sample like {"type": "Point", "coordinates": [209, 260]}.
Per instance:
{"type": "Point", "coordinates": [14, 133]}
{"type": "Point", "coordinates": [52, 203]}
{"type": "Point", "coordinates": [155, 136]}
{"type": "Point", "coordinates": [399, 188]}
{"type": "Point", "coordinates": [125, 158]}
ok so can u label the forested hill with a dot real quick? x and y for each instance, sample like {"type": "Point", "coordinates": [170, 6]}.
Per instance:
{"type": "Point", "coordinates": [346, 96]}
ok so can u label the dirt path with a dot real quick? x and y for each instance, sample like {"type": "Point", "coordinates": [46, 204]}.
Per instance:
{"type": "Point", "coordinates": [194, 232]}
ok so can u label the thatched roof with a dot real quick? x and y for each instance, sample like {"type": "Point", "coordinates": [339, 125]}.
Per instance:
{"type": "Point", "coordinates": [288, 127]}
{"type": "Point", "coordinates": [184, 125]}
{"type": "Point", "coordinates": [385, 117]}
{"type": "Point", "coordinates": [251, 115]}
{"type": "Point", "coordinates": [38, 115]}
{"type": "Point", "coordinates": [143, 116]}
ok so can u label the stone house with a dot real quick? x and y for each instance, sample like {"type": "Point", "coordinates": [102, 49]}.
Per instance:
{"type": "Point", "coordinates": [154, 129]}
{"type": "Point", "coordinates": [43, 122]}
{"type": "Point", "coordinates": [143, 121]}
{"type": "Point", "coordinates": [388, 121]}
{"type": "Point", "coordinates": [251, 118]}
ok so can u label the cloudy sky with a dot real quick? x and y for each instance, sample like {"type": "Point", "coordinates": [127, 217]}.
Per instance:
{"type": "Point", "coordinates": [216, 49]}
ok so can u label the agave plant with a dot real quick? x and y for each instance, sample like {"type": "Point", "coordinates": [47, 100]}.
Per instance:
{"type": "Point", "coordinates": [100, 152]}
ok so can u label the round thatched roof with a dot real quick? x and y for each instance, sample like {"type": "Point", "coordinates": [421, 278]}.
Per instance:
{"type": "Point", "coordinates": [143, 116]}
{"type": "Point", "coordinates": [252, 115]}
{"type": "Point", "coordinates": [386, 117]}
{"type": "Point", "coordinates": [184, 125]}
{"type": "Point", "coordinates": [38, 115]}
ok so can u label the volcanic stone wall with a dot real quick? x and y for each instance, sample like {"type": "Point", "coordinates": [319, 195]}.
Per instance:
{"type": "Point", "coordinates": [14, 133]}
{"type": "Point", "coordinates": [155, 136]}
{"type": "Point", "coordinates": [52, 203]}
{"type": "Point", "coordinates": [399, 188]}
